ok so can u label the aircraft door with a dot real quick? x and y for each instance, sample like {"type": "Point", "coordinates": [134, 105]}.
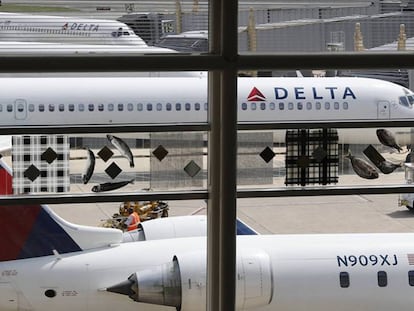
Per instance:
{"type": "Point", "coordinates": [20, 109]}
{"type": "Point", "coordinates": [8, 297]}
{"type": "Point", "coordinates": [383, 110]}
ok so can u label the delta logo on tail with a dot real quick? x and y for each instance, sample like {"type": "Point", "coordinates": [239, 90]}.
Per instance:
{"type": "Point", "coordinates": [256, 96]}
{"type": "Point", "coordinates": [34, 230]}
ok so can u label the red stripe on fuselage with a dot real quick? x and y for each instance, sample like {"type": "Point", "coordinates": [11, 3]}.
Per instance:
{"type": "Point", "coordinates": [16, 223]}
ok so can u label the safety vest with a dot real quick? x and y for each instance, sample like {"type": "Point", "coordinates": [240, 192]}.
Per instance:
{"type": "Point", "coordinates": [135, 221]}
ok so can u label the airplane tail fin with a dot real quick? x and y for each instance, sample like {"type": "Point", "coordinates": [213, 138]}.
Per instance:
{"type": "Point", "coordinates": [28, 231]}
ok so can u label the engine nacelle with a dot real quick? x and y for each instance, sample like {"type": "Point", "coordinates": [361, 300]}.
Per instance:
{"type": "Point", "coordinates": [181, 283]}
{"type": "Point", "coordinates": [168, 228]}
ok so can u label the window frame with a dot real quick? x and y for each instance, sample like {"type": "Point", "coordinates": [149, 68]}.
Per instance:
{"type": "Point", "coordinates": [223, 61]}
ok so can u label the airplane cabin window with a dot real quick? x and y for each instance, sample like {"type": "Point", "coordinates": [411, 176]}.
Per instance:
{"type": "Point", "coordinates": [263, 106]}
{"type": "Point", "coordinates": [9, 108]}
{"type": "Point", "coordinates": [382, 278]}
{"type": "Point", "coordinates": [272, 106]}
{"type": "Point", "coordinates": [254, 106]}
{"type": "Point", "coordinates": [281, 106]}
{"type": "Point", "coordinates": [168, 107]}
{"type": "Point", "coordinates": [411, 277]}
{"type": "Point", "coordinates": [244, 106]}
{"type": "Point", "coordinates": [187, 107]}
{"type": "Point", "coordinates": [177, 106]}
{"type": "Point", "coordinates": [31, 108]}
{"type": "Point", "coordinates": [300, 106]}
{"type": "Point", "coordinates": [101, 107]}
{"type": "Point", "coordinates": [344, 279]}
{"type": "Point", "coordinates": [91, 107]}
{"type": "Point", "coordinates": [71, 107]}
{"type": "Point", "coordinates": [205, 106]}
{"type": "Point", "coordinates": [159, 107]}
{"type": "Point", "coordinates": [336, 105]}
{"type": "Point", "coordinates": [81, 107]}
{"type": "Point", "coordinates": [41, 107]}
{"type": "Point", "coordinates": [309, 106]}
{"type": "Point", "coordinates": [197, 106]}
{"type": "Point", "coordinates": [345, 105]}
{"type": "Point", "coordinates": [140, 107]}
{"type": "Point", "coordinates": [61, 107]}
{"type": "Point", "coordinates": [110, 107]}
{"type": "Point", "coordinates": [120, 107]}
{"type": "Point", "coordinates": [130, 107]}
{"type": "Point", "coordinates": [149, 107]}
{"type": "Point", "coordinates": [327, 105]}
{"type": "Point", "coordinates": [290, 106]}
{"type": "Point", "coordinates": [318, 106]}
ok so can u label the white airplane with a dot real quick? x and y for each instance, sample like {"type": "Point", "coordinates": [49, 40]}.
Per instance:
{"type": "Point", "coordinates": [121, 101]}
{"type": "Point", "coordinates": [74, 30]}
{"type": "Point", "coordinates": [49, 264]}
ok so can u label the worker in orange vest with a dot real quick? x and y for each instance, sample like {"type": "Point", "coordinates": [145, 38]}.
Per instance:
{"type": "Point", "coordinates": [133, 220]}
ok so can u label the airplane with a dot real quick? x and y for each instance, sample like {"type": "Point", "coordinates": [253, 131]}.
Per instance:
{"type": "Point", "coordinates": [47, 264]}
{"type": "Point", "coordinates": [25, 34]}
{"type": "Point", "coordinates": [73, 30]}
{"type": "Point", "coordinates": [128, 100]}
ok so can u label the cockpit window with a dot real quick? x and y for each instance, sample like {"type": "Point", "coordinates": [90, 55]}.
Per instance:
{"type": "Point", "coordinates": [411, 99]}
{"type": "Point", "coordinates": [404, 101]}
{"type": "Point", "coordinates": [120, 32]}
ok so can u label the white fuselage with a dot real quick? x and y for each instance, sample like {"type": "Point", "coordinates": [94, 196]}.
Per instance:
{"type": "Point", "coordinates": [117, 101]}
{"type": "Point", "coordinates": [142, 101]}
{"type": "Point", "coordinates": [370, 272]}
{"type": "Point", "coordinates": [40, 28]}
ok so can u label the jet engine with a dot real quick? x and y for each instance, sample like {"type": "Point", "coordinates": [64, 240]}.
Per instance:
{"type": "Point", "coordinates": [181, 283]}
{"type": "Point", "coordinates": [168, 228]}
